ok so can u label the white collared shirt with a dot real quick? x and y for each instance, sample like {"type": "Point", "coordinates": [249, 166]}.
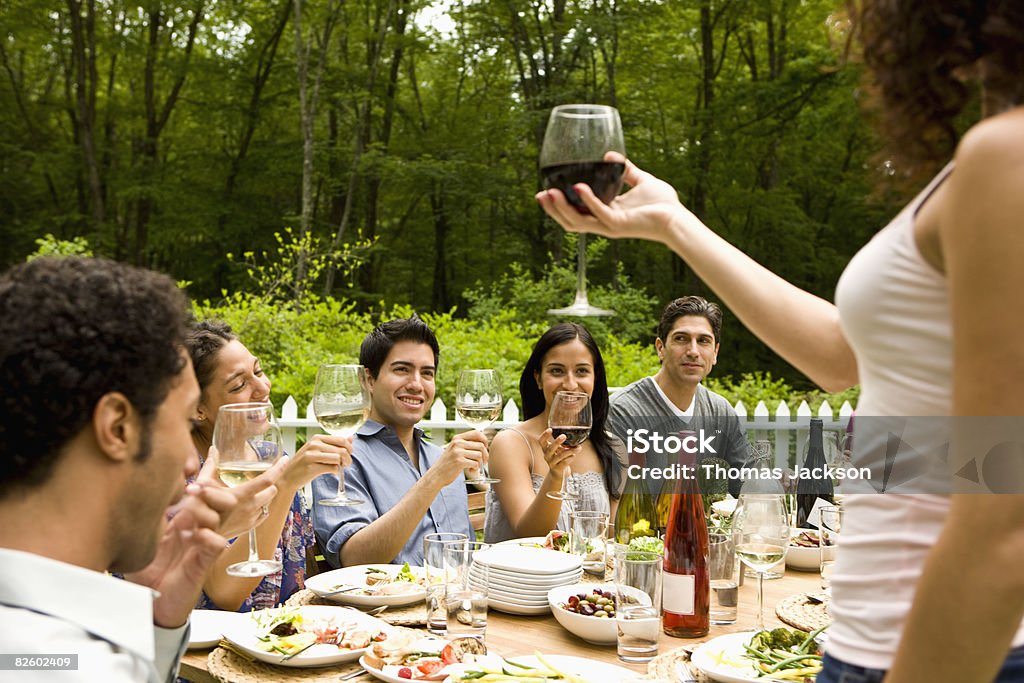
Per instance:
{"type": "Point", "coordinates": [54, 608]}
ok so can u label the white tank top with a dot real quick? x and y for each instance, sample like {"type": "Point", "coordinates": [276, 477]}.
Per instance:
{"type": "Point", "coordinates": [894, 309]}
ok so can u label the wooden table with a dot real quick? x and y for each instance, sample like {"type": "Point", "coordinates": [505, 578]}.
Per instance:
{"type": "Point", "coordinates": [511, 635]}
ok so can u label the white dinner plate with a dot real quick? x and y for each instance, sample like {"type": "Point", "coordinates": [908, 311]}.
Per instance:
{"type": "Point", "coordinates": [513, 608]}
{"type": "Point", "coordinates": [243, 635]}
{"type": "Point", "coordinates": [526, 560]}
{"type": "Point", "coordinates": [356, 576]}
{"type": "Point", "coordinates": [207, 625]}
{"type": "Point", "coordinates": [529, 580]}
{"type": "Point", "coordinates": [423, 645]}
{"type": "Point", "coordinates": [588, 670]}
{"type": "Point", "coordinates": [721, 659]}
{"type": "Point", "coordinates": [529, 541]}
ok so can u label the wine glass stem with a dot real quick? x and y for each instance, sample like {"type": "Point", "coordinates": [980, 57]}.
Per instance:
{"type": "Point", "coordinates": [760, 601]}
{"type": "Point", "coordinates": [341, 481]}
{"type": "Point", "coordinates": [581, 267]}
{"type": "Point", "coordinates": [254, 555]}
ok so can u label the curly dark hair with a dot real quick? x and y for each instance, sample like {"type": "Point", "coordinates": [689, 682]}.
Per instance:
{"type": "Point", "coordinates": [532, 397]}
{"type": "Point", "coordinates": [378, 344]}
{"type": "Point", "coordinates": [72, 330]}
{"type": "Point", "coordinates": [922, 55]}
{"type": "Point", "coordinates": [204, 341]}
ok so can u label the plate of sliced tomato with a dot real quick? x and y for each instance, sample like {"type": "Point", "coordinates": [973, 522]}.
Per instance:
{"type": "Point", "coordinates": [412, 658]}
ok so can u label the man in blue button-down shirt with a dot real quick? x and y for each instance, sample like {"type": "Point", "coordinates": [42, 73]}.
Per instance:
{"type": "Point", "coordinates": [411, 487]}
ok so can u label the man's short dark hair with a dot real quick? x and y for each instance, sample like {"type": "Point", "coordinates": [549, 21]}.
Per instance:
{"type": "Point", "coordinates": [690, 305]}
{"type": "Point", "coordinates": [72, 330]}
{"type": "Point", "coordinates": [378, 344]}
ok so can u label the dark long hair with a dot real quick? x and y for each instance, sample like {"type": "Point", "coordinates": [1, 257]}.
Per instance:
{"type": "Point", "coordinates": [920, 53]}
{"type": "Point", "coordinates": [532, 396]}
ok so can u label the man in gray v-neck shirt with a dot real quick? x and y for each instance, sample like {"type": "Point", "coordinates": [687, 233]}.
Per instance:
{"type": "Point", "coordinates": [410, 486]}
{"type": "Point", "coordinates": [673, 399]}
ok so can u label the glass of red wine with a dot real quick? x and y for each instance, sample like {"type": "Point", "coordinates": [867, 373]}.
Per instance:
{"type": "Point", "coordinates": [575, 142]}
{"type": "Point", "coordinates": [570, 416]}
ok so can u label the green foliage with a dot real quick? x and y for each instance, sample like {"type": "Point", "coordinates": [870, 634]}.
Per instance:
{"type": "Point", "coordinates": [752, 387]}
{"type": "Point", "coordinates": [527, 299]}
{"type": "Point", "coordinates": [289, 274]}
{"type": "Point", "coordinates": [48, 245]}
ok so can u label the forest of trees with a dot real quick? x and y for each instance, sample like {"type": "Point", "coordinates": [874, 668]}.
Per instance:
{"type": "Point", "coordinates": [403, 135]}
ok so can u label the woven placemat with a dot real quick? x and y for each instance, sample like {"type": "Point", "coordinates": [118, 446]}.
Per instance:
{"type": "Point", "coordinates": [663, 667]}
{"type": "Point", "coordinates": [800, 611]}
{"type": "Point", "coordinates": [229, 666]}
{"type": "Point", "coordinates": [409, 615]}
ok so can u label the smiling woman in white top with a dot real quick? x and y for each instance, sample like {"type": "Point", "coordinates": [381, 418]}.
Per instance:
{"type": "Point", "coordinates": [530, 461]}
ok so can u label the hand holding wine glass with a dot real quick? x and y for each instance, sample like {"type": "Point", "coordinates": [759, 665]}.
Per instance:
{"type": "Point", "coordinates": [341, 403]}
{"type": "Point", "coordinates": [246, 443]}
{"type": "Point", "coordinates": [576, 142]}
{"type": "Point", "coordinates": [570, 416]}
{"type": "Point", "coordinates": [761, 534]}
{"type": "Point", "coordinates": [478, 401]}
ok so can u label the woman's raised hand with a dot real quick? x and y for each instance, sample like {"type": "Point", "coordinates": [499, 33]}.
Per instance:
{"type": "Point", "coordinates": [556, 455]}
{"type": "Point", "coordinates": [645, 212]}
{"type": "Point", "coordinates": [321, 454]}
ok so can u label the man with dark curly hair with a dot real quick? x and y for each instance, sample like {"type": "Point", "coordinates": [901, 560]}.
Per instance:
{"type": "Point", "coordinates": [96, 401]}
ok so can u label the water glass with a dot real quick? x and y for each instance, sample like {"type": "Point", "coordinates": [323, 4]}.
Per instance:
{"type": "Point", "coordinates": [437, 578]}
{"type": "Point", "coordinates": [828, 534]}
{"type": "Point", "coordinates": [638, 604]}
{"type": "Point", "coordinates": [724, 574]}
{"type": "Point", "coordinates": [588, 536]}
{"type": "Point", "coordinates": [466, 591]}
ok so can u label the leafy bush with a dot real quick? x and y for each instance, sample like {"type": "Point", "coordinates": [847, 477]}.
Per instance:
{"type": "Point", "coordinates": [49, 245]}
{"type": "Point", "coordinates": [527, 300]}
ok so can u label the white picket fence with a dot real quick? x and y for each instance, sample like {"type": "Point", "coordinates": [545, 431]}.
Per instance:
{"type": "Point", "coordinates": [784, 427]}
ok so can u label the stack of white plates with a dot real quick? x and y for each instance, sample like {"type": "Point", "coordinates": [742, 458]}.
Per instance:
{"type": "Point", "coordinates": [520, 577]}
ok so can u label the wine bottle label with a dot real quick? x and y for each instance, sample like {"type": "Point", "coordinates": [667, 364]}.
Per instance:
{"type": "Point", "coordinates": [814, 516]}
{"type": "Point", "coordinates": [678, 593]}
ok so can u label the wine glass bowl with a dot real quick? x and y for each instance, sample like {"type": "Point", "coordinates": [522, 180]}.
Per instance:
{"type": "Point", "coordinates": [761, 533]}
{"type": "Point", "coordinates": [341, 404]}
{"type": "Point", "coordinates": [478, 401]}
{"type": "Point", "coordinates": [571, 416]}
{"type": "Point", "coordinates": [246, 443]}
{"type": "Point", "coordinates": [577, 138]}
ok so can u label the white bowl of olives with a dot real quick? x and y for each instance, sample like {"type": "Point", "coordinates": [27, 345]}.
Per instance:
{"type": "Point", "coordinates": [586, 610]}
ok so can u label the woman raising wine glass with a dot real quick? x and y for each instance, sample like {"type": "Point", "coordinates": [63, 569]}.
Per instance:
{"type": "Point", "coordinates": [228, 373]}
{"type": "Point", "coordinates": [532, 462]}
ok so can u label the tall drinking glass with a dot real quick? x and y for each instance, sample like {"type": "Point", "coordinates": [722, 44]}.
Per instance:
{"type": "Point", "coordinates": [828, 534]}
{"type": "Point", "coordinates": [246, 443]}
{"type": "Point", "coordinates": [638, 578]}
{"type": "Point", "coordinates": [478, 401]}
{"type": "Point", "coordinates": [570, 415]}
{"type": "Point", "coordinates": [575, 142]}
{"type": "Point", "coordinates": [437, 577]}
{"type": "Point", "coordinates": [341, 403]}
{"type": "Point", "coordinates": [761, 533]}
{"type": "Point", "coordinates": [466, 590]}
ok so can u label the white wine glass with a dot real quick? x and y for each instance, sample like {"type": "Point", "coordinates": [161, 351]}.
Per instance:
{"type": "Point", "coordinates": [571, 416]}
{"type": "Point", "coordinates": [478, 401]}
{"type": "Point", "coordinates": [760, 527]}
{"type": "Point", "coordinates": [341, 403]}
{"type": "Point", "coordinates": [246, 443]}
{"type": "Point", "coordinates": [575, 142]}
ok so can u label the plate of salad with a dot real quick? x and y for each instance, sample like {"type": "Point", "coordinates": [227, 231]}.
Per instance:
{"type": "Point", "coordinates": [781, 654]}
{"type": "Point", "coordinates": [414, 658]}
{"type": "Point", "coordinates": [371, 585]}
{"type": "Point", "coordinates": [306, 636]}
